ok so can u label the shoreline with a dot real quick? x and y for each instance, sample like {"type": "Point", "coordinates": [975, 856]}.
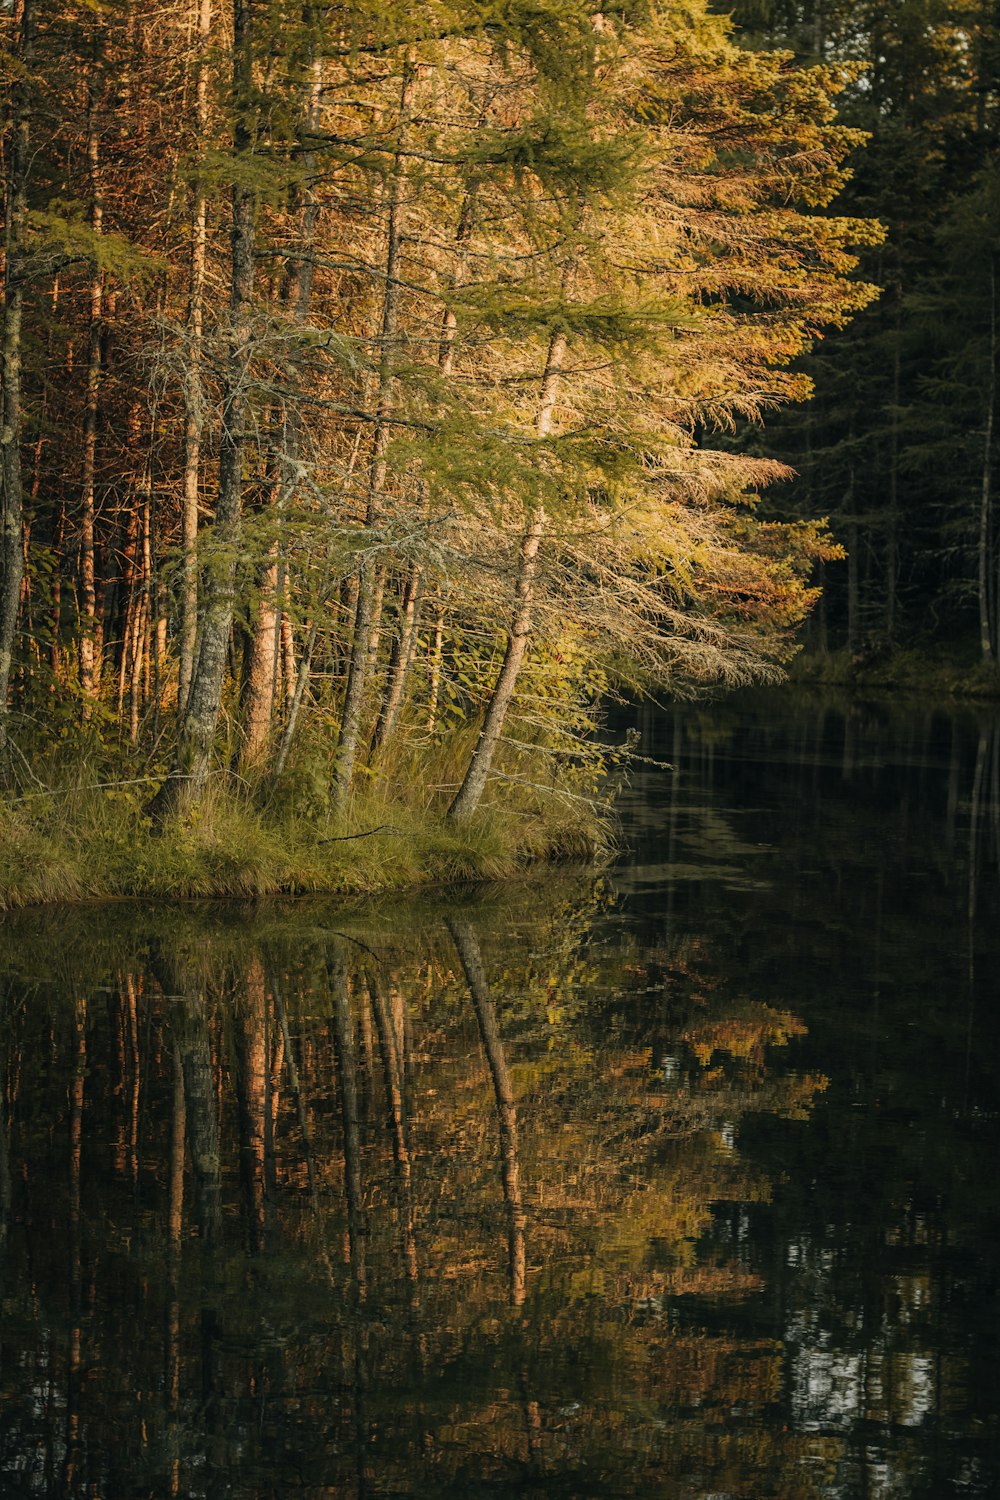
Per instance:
{"type": "Point", "coordinates": [78, 846]}
{"type": "Point", "coordinates": [235, 852]}
{"type": "Point", "coordinates": [952, 676]}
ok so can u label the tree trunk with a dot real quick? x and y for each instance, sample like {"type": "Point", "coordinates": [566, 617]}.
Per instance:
{"type": "Point", "coordinates": [853, 543]}
{"type": "Point", "coordinates": [468, 795]}
{"type": "Point", "coordinates": [399, 662]}
{"type": "Point", "coordinates": [822, 628]}
{"type": "Point", "coordinates": [285, 1050]}
{"type": "Point", "coordinates": [74, 1352]}
{"type": "Point", "coordinates": [58, 535]}
{"type": "Point", "coordinates": [90, 651]}
{"type": "Point", "coordinates": [301, 679]}
{"type": "Point", "coordinates": [193, 396]}
{"type": "Point", "coordinates": [289, 668]}
{"type": "Point", "coordinates": [892, 528]}
{"type": "Point", "coordinates": [194, 748]}
{"type": "Point", "coordinates": [11, 485]}
{"type": "Point", "coordinates": [402, 652]}
{"type": "Point", "coordinates": [489, 1031]}
{"type": "Point", "coordinates": [250, 1028]}
{"type": "Point", "coordinates": [141, 664]}
{"type": "Point", "coordinates": [190, 1024]}
{"type": "Point", "coordinates": [437, 657]}
{"type": "Point", "coordinates": [392, 1072]}
{"type": "Point", "coordinates": [365, 620]}
{"type": "Point", "coordinates": [985, 498]}
{"type": "Point", "coordinates": [342, 1033]}
{"type": "Point", "coordinates": [268, 643]}
{"type": "Point", "coordinates": [175, 1235]}
{"type": "Point", "coordinates": [263, 657]}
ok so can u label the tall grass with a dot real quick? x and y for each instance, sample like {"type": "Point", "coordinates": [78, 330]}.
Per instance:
{"type": "Point", "coordinates": [80, 827]}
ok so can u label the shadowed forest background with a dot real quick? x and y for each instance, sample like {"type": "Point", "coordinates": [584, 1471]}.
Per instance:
{"type": "Point", "coordinates": [898, 445]}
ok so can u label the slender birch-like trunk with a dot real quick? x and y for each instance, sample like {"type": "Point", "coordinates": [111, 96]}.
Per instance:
{"type": "Point", "coordinates": [298, 693]}
{"type": "Point", "coordinates": [287, 656]}
{"type": "Point", "coordinates": [469, 793]}
{"type": "Point", "coordinates": [297, 679]}
{"type": "Point", "coordinates": [11, 483]}
{"type": "Point", "coordinates": [437, 660]}
{"type": "Point", "coordinates": [140, 687]}
{"type": "Point", "coordinates": [129, 613]}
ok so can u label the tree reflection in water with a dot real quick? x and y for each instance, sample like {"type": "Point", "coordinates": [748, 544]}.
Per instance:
{"type": "Point", "coordinates": [527, 1196]}
{"type": "Point", "coordinates": [408, 1210]}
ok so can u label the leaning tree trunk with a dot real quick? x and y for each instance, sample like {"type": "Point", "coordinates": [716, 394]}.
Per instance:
{"type": "Point", "coordinates": [489, 1030]}
{"type": "Point", "coordinates": [11, 486]}
{"type": "Point", "coordinates": [468, 795]}
{"type": "Point", "coordinates": [194, 747]}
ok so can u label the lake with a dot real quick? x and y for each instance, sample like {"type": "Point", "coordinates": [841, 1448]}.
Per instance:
{"type": "Point", "coordinates": [678, 1179]}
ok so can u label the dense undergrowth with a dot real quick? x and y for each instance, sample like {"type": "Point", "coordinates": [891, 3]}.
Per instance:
{"type": "Point", "coordinates": [81, 825]}
{"type": "Point", "coordinates": [78, 821]}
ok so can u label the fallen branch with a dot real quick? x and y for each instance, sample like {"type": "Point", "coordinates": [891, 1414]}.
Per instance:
{"type": "Point", "coordinates": [339, 838]}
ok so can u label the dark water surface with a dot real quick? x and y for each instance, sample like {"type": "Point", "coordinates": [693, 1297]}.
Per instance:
{"type": "Point", "coordinates": [679, 1183]}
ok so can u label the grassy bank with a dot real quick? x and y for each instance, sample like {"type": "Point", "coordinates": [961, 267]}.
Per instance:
{"type": "Point", "coordinates": [98, 841]}
{"type": "Point", "coordinates": [231, 849]}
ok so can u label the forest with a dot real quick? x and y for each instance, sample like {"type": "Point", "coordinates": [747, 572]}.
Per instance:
{"type": "Point", "coordinates": [386, 387]}
{"type": "Point", "coordinates": [898, 446]}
